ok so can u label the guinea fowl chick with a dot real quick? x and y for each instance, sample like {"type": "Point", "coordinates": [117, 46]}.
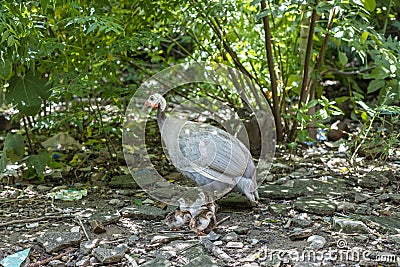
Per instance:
{"type": "Point", "coordinates": [205, 220]}
{"type": "Point", "coordinates": [193, 207]}
{"type": "Point", "coordinates": [177, 219]}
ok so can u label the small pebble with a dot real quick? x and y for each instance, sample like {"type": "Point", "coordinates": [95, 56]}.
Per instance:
{"type": "Point", "coordinates": [316, 241]}
{"type": "Point", "coordinates": [257, 223]}
{"type": "Point", "coordinates": [233, 244]}
{"type": "Point", "coordinates": [75, 229]}
{"type": "Point", "coordinates": [241, 230]}
{"type": "Point", "coordinates": [213, 236]}
{"type": "Point", "coordinates": [230, 237]}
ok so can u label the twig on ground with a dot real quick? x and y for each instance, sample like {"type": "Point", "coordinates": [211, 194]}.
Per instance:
{"type": "Point", "coordinates": [83, 228]}
{"type": "Point", "coordinates": [45, 261]}
{"type": "Point", "coordinates": [222, 221]}
{"type": "Point", "coordinates": [57, 217]}
{"type": "Point", "coordinates": [216, 251]}
{"type": "Point", "coordinates": [131, 261]}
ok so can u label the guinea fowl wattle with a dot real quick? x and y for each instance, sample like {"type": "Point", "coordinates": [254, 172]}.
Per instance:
{"type": "Point", "coordinates": [211, 157]}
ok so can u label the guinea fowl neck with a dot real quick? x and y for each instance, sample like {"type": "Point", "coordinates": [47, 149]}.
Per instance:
{"type": "Point", "coordinates": [160, 116]}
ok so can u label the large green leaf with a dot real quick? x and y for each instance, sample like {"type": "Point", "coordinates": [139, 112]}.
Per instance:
{"type": "Point", "coordinates": [369, 5]}
{"type": "Point", "coordinates": [38, 162]}
{"type": "Point", "coordinates": [375, 85]}
{"type": "Point", "coordinates": [13, 150]}
{"type": "Point", "coordinates": [27, 93]}
{"type": "Point", "coordinates": [378, 73]}
{"type": "Point", "coordinates": [14, 147]}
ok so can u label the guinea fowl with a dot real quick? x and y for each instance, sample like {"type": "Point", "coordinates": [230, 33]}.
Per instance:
{"type": "Point", "coordinates": [177, 219]}
{"type": "Point", "coordinates": [214, 159]}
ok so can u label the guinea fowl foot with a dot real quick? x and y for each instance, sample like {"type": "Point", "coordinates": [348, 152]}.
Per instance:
{"type": "Point", "coordinates": [200, 233]}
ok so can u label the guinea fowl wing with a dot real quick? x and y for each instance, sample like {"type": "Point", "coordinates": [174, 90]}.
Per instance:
{"type": "Point", "coordinates": [205, 149]}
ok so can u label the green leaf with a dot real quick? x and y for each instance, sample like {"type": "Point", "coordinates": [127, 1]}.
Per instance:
{"type": "Point", "coordinates": [343, 58]}
{"type": "Point", "coordinates": [255, 2]}
{"type": "Point", "coordinates": [10, 41]}
{"type": "Point", "coordinates": [364, 36]}
{"type": "Point", "coordinates": [369, 5]}
{"type": "Point", "coordinates": [27, 93]}
{"type": "Point", "coordinates": [3, 161]}
{"type": "Point", "coordinates": [342, 99]}
{"type": "Point", "coordinates": [5, 69]}
{"type": "Point", "coordinates": [312, 103]}
{"type": "Point", "coordinates": [4, 36]}
{"type": "Point", "coordinates": [375, 85]}
{"type": "Point", "coordinates": [14, 147]}
{"type": "Point", "coordinates": [378, 73]}
{"type": "Point", "coordinates": [92, 27]}
{"type": "Point", "coordinates": [38, 162]}
{"type": "Point", "coordinates": [364, 116]}
{"type": "Point", "coordinates": [263, 13]}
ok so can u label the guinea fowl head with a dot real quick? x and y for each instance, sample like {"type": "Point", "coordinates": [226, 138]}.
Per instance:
{"type": "Point", "coordinates": [156, 101]}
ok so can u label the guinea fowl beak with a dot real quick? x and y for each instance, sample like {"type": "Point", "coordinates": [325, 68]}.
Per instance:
{"type": "Point", "coordinates": [148, 104]}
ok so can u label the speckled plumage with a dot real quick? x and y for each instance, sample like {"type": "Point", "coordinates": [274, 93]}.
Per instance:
{"type": "Point", "coordinates": [211, 157]}
{"type": "Point", "coordinates": [177, 219]}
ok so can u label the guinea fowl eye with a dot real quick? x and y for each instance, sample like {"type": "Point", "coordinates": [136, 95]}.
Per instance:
{"type": "Point", "coordinates": [151, 98]}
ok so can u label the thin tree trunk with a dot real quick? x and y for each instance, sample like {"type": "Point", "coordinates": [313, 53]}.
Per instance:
{"type": "Point", "coordinates": [305, 85]}
{"type": "Point", "coordinates": [271, 68]}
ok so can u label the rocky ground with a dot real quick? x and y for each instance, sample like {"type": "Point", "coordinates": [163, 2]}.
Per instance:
{"type": "Point", "coordinates": [315, 210]}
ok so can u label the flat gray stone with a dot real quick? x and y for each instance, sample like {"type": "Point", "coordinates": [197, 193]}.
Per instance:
{"type": "Point", "coordinates": [86, 247]}
{"type": "Point", "coordinates": [56, 263]}
{"type": "Point", "coordinates": [278, 209]}
{"type": "Point", "coordinates": [165, 238]}
{"type": "Point", "coordinates": [307, 264]}
{"type": "Point", "coordinates": [187, 250]}
{"type": "Point", "coordinates": [83, 262]}
{"type": "Point", "coordinates": [194, 251]}
{"type": "Point", "coordinates": [383, 224]}
{"type": "Point", "coordinates": [158, 262]}
{"type": "Point", "coordinates": [105, 218]}
{"type": "Point", "coordinates": [395, 198]}
{"type": "Point", "coordinates": [201, 261]}
{"type": "Point", "coordinates": [300, 234]}
{"type": "Point", "coordinates": [395, 239]}
{"type": "Point", "coordinates": [374, 179]}
{"type": "Point", "coordinates": [241, 230]}
{"type": "Point", "coordinates": [143, 212]}
{"type": "Point", "coordinates": [234, 244]}
{"type": "Point", "coordinates": [363, 209]}
{"type": "Point", "coordinates": [346, 207]}
{"type": "Point", "coordinates": [361, 197]}
{"type": "Point", "coordinates": [230, 237]}
{"type": "Point", "coordinates": [107, 255]}
{"type": "Point", "coordinates": [55, 241]}
{"type": "Point", "coordinates": [349, 226]}
{"type": "Point", "coordinates": [316, 205]}
{"type": "Point", "coordinates": [213, 236]}
{"type": "Point", "coordinates": [281, 192]}
{"type": "Point", "coordinates": [124, 182]}
{"type": "Point", "coordinates": [301, 223]}
{"type": "Point", "coordinates": [235, 200]}
{"type": "Point", "coordinates": [316, 242]}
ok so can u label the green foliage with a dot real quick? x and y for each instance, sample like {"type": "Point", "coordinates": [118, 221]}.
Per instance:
{"type": "Point", "coordinates": [36, 165]}
{"type": "Point", "coordinates": [379, 134]}
{"type": "Point", "coordinates": [85, 59]}
{"type": "Point", "coordinates": [27, 93]}
{"type": "Point", "coordinates": [13, 150]}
